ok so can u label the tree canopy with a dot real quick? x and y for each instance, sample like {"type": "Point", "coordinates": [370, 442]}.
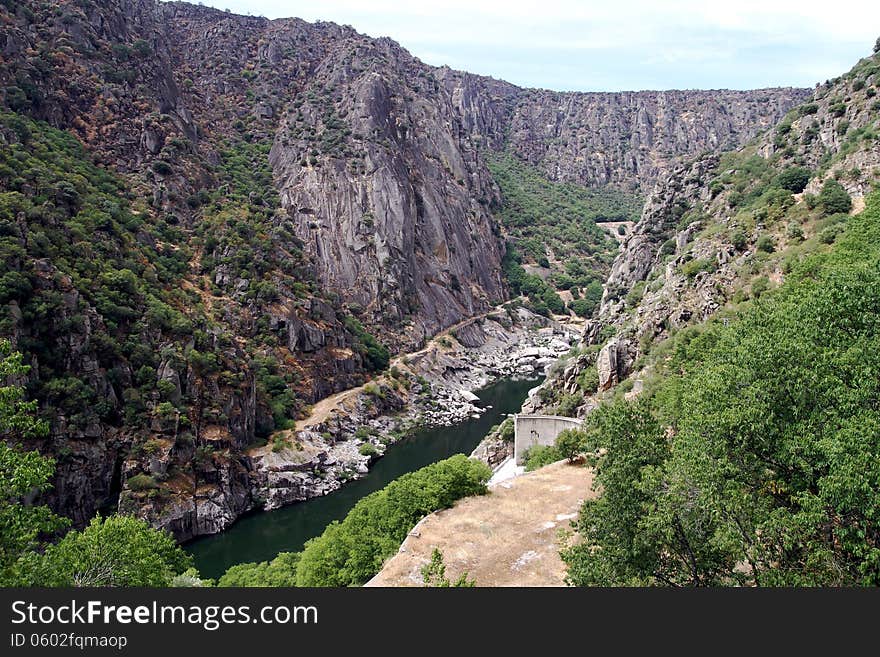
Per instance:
{"type": "Point", "coordinates": [758, 461]}
{"type": "Point", "coordinates": [116, 551]}
{"type": "Point", "coordinates": [22, 473]}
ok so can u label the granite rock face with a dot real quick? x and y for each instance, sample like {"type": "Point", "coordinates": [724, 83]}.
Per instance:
{"type": "Point", "coordinates": [671, 198]}
{"type": "Point", "coordinates": [626, 139]}
{"type": "Point", "coordinates": [376, 156]}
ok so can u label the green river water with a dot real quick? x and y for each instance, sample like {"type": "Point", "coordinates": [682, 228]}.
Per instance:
{"type": "Point", "coordinates": [262, 535]}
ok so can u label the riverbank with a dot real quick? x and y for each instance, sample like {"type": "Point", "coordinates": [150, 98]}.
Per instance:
{"type": "Point", "coordinates": [342, 438]}
{"type": "Point", "coordinates": [509, 537]}
{"type": "Point", "coordinates": [259, 536]}
{"type": "Point", "coordinates": [433, 387]}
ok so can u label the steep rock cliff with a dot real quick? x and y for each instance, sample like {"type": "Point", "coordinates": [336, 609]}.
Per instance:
{"type": "Point", "coordinates": [625, 139]}
{"type": "Point", "coordinates": [720, 230]}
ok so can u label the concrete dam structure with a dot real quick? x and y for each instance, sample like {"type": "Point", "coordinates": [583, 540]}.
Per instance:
{"type": "Point", "coordinates": [530, 430]}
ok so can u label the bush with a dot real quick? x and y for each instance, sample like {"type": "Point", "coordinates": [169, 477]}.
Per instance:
{"type": "Point", "coordinates": [348, 553]}
{"type": "Point", "coordinates": [162, 167]}
{"type": "Point", "coordinates": [434, 574]}
{"type": "Point", "coordinates": [117, 551]}
{"type": "Point", "coordinates": [739, 240]}
{"type": "Point", "coordinates": [807, 109]}
{"type": "Point", "coordinates": [760, 285]}
{"type": "Point", "coordinates": [375, 353]}
{"type": "Point", "coordinates": [582, 307]}
{"type": "Point", "coordinates": [540, 455]}
{"type": "Point", "coordinates": [142, 482]}
{"type": "Point", "coordinates": [693, 267]}
{"type": "Point", "coordinates": [281, 571]}
{"type": "Point", "coordinates": [141, 48]}
{"type": "Point", "coordinates": [568, 405]}
{"type": "Point", "coordinates": [766, 244]}
{"type": "Point", "coordinates": [553, 301]}
{"type": "Point", "coordinates": [570, 443]}
{"type": "Point", "coordinates": [829, 235]}
{"type": "Point", "coordinates": [588, 381]}
{"type": "Point", "coordinates": [794, 231]}
{"type": "Point", "coordinates": [368, 449]}
{"type": "Point", "coordinates": [794, 179]}
{"type": "Point", "coordinates": [506, 431]}
{"type": "Point", "coordinates": [833, 198]}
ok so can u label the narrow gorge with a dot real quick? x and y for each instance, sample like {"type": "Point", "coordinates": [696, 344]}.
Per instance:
{"type": "Point", "coordinates": [244, 258]}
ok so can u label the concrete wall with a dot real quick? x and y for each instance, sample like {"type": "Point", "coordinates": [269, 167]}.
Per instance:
{"type": "Point", "coordinates": [532, 430]}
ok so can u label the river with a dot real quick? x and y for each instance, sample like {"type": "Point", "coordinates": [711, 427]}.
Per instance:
{"type": "Point", "coordinates": [262, 535]}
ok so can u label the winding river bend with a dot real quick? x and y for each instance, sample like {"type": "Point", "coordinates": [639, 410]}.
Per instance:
{"type": "Point", "coordinates": [262, 535]}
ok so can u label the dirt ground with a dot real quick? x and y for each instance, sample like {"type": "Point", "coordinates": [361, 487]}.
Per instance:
{"type": "Point", "coordinates": [509, 537]}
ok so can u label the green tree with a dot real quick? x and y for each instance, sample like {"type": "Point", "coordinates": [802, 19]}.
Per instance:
{"type": "Point", "coordinates": [348, 553]}
{"type": "Point", "coordinates": [766, 244]}
{"type": "Point", "coordinates": [582, 307]}
{"type": "Point", "coordinates": [553, 301]}
{"type": "Point", "coordinates": [794, 179]}
{"type": "Point", "coordinates": [538, 456]}
{"type": "Point", "coordinates": [281, 571]}
{"type": "Point", "coordinates": [833, 198]}
{"type": "Point", "coordinates": [571, 443]}
{"type": "Point", "coordinates": [116, 551]}
{"type": "Point", "coordinates": [434, 574]}
{"type": "Point", "coordinates": [22, 473]}
{"type": "Point", "coordinates": [731, 472]}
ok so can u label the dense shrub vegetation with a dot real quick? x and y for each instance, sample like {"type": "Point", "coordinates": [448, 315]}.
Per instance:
{"type": "Point", "coordinates": [757, 460]}
{"type": "Point", "coordinates": [545, 219]}
{"type": "Point", "coordinates": [350, 552]}
{"type": "Point", "coordinates": [84, 260]}
{"type": "Point", "coordinates": [281, 571]}
{"type": "Point", "coordinates": [116, 551]}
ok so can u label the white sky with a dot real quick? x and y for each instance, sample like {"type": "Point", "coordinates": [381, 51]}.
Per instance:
{"type": "Point", "coordinates": [613, 44]}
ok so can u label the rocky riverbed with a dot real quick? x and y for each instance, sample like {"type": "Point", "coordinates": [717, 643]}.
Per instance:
{"type": "Point", "coordinates": [431, 387]}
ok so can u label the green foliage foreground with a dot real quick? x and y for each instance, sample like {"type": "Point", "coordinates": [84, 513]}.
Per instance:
{"type": "Point", "coordinates": [758, 461]}
{"type": "Point", "coordinates": [350, 552]}
{"type": "Point", "coordinates": [116, 551]}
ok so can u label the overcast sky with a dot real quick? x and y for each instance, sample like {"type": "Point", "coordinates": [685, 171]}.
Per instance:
{"type": "Point", "coordinates": [613, 45]}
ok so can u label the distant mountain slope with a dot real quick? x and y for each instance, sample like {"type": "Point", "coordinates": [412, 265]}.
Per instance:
{"type": "Point", "coordinates": [626, 139]}
{"type": "Point", "coordinates": [721, 229]}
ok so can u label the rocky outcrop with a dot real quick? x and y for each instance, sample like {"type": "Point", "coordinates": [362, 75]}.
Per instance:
{"type": "Point", "coordinates": [613, 363]}
{"type": "Point", "coordinates": [698, 245]}
{"type": "Point", "coordinates": [375, 155]}
{"type": "Point", "coordinates": [493, 450]}
{"type": "Point", "coordinates": [672, 197]}
{"type": "Point", "coordinates": [630, 139]}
